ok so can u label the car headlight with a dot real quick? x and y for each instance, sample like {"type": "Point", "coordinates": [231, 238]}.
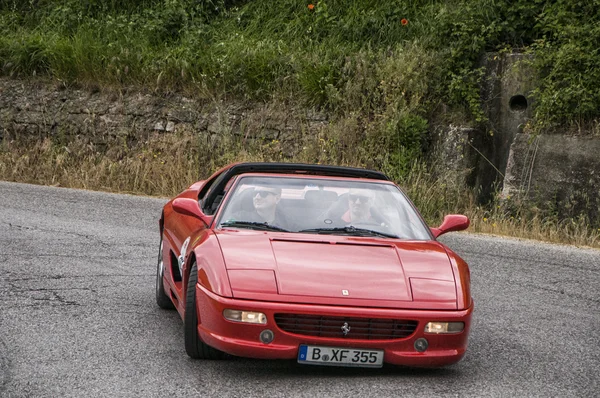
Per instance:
{"type": "Point", "coordinates": [245, 316]}
{"type": "Point", "coordinates": [444, 327]}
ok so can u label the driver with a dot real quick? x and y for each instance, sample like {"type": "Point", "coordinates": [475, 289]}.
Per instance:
{"type": "Point", "coordinates": [359, 207]}
{"type": "Point", "coordinates": [265, 210]}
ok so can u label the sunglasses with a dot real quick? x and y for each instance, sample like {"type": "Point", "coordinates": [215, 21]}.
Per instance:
{"type": "Point", "coordinates": [354, 198]}
{"type": "Point", "coordinates": [264, 194]}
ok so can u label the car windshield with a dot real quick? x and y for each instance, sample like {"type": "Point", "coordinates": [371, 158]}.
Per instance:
{"type": "Point", "coordinates": [322, 206]}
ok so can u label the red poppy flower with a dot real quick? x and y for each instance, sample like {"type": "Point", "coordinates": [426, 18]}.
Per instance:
{"type": "Point", "coordinates": [311, 7]}
{"type": "Point", "coordinates": [404, 21]}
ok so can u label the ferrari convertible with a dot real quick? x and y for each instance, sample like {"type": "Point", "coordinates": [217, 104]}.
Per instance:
{"type": "Point", "coordinates": [325, 265]}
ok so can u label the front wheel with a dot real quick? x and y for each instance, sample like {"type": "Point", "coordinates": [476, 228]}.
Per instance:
{"type": "Point", "coordinates": [195, 347]}
{"type": "Point", "coordinates": [162, 299]}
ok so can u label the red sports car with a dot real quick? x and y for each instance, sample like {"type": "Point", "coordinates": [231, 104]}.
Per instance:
{"type": "Point", "coordinates": [324, 264]}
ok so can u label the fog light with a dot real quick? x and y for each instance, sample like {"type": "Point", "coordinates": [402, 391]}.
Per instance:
{"type": "Point", "coordinates": [245, 316]}
{"type": "Point", "coordinates": [444, 327]}
{"type": "Point", "coordinates": [266, 336]}
{"type": "Point", "coordinates": [421, 344]}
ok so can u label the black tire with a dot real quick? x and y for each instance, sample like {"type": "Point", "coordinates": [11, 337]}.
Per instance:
{"type": "Point", "coordinates": [162, 299]}
{"type": "Point", "coordinates": [195, 347]}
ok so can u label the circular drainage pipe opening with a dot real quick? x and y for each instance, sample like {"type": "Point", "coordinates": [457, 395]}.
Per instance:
{"type": "Point", "coordinates": [518, 103]}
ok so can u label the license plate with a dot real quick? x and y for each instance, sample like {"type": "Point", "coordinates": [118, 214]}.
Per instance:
{"type": "Point", "coordinates": [340, 356]}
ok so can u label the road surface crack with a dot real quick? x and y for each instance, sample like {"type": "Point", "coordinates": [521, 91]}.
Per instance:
{"type": "Point", "coordinates": [29, 228]}
{"type": "Point", "coordinates": [57, 297]}
{"type": "Point", "coordinates": [561, 291]}
{"type": "Point", "coordinates": [54, 277]}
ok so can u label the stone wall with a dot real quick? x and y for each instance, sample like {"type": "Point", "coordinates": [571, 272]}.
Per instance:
{"type": "Point", "coordinates": [558, 172]}
{"type": "Point", "coordinates": [39, 109]}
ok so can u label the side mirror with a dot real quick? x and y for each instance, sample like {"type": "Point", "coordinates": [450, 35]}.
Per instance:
{"type": "Point", "coordinates": [190, 207]}
{"type": "Point", "coordinates": [452, 222]}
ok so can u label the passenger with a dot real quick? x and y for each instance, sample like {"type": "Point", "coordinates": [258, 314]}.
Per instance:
{"type": "Point", "coordinates": [354, 208]}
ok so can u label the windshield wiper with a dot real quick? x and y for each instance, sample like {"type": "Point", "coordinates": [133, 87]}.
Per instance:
{"type": "Point", "coordinates": [349, 230]}
{"type": "Point", "coordinates": [262, 226]}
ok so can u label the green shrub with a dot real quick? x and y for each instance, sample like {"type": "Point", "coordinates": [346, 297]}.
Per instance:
{"type": "Point", "coordinates": [380, 60]}
{"type": "Point", "coordinates": [568, 58]}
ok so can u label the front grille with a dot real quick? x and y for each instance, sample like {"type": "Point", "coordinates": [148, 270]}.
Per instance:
{"type": "Point", "coordinates": [333, 326]}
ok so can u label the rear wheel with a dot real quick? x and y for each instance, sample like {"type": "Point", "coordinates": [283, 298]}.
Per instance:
{"type": "Point", "coordinates": [195, 347]}
{"type": "Point", "coordinates": [162, 299]}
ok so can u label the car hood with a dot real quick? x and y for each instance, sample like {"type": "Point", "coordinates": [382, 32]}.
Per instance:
{"type": "Point", "coordinates": [335, 268]}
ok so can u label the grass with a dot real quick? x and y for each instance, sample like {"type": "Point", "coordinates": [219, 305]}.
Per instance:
{"type": "Point", "coordinates": [262, 49]}
{"type": "Point", "coordinates": [164, 164]}
{"type": "Point", "coordinates": [381, 81]}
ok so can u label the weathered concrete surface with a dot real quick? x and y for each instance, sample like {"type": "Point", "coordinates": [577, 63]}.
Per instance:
{"type": "Point", "coordinates": [559, 173]}
{"type": "Point", "coordinates": [449, 157]}
{"type": "Point", "coordinates": [506, 101]}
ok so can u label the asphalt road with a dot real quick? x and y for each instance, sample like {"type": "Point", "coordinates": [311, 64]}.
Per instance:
{"type": "Point", "coordinates": [78, 316]}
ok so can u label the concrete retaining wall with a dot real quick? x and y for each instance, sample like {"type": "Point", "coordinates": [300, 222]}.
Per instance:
{"type": "Point", "coordinates": [558, 173]}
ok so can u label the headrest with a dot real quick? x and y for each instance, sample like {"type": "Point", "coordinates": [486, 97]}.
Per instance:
{"type": "Point", "coordinates": [320, 195]}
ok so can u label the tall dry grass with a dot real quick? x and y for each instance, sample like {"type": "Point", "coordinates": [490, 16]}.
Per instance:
{"type": "Point", "coordinates": [163, 165]}
{"type": "Point", "coordinates": [166, 163]}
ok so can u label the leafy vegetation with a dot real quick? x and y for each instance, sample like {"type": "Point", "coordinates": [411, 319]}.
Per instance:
{"type": "Point", "coordinates": [385, 70]}
{"type": "Point", "coordinates": [313, 51]}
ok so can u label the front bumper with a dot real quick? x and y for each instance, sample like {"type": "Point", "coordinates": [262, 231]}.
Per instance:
{"type": "Point", "coordinates": [241, 339]}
